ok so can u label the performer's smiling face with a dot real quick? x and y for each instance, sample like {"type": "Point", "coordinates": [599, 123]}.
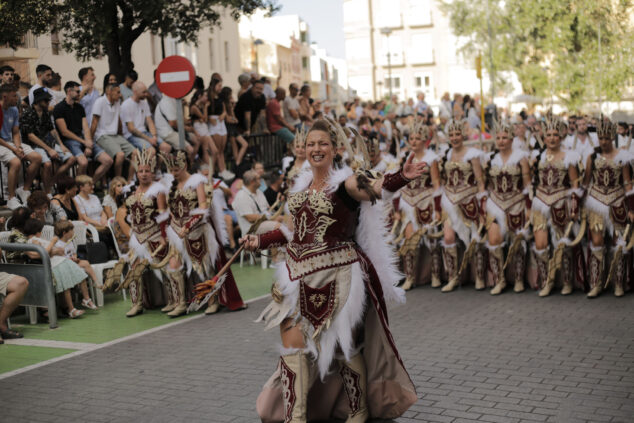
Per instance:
{"type": "Point", "coordinates": [416, 142]}
{"type": "Point", "coordinates": [319, 149]}
{"type": "Point", "coordinates": [503, 141]}
{"type": "Point", "coordinates": [456, 138]}
{"type": "Point", "coordinates": [553, 140]}
{"type": "Point", "coordinates": [145, 175]}
{"type": "Point", "coordinates": [606, 143]}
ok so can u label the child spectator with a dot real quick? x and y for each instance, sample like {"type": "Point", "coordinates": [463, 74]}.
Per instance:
{"type": "Point", "coordinates": [65, 231]}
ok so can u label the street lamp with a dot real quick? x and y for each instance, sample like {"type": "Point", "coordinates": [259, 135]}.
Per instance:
{"type": "Point", "coordinates": [256, 43]}
{"type": "Point", "coordinates": [387, 32]}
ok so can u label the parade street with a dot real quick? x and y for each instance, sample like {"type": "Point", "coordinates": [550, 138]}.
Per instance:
{"type": "Point", "coordinates": [473, 357]}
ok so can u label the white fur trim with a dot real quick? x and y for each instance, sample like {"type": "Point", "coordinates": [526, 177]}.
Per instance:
{"type": "Point", "coordinates": [541, 207]}
{"type": "Point", "coordinates": [155, 189]}
{"type": "Point", "coordinates": [494, 247]}
{"type": "Point", "coordinates": [514, 159]}
{"type": "Point", "coordinates": [471, 153]}
{"type": "Point", "coordinates": [596, 248]}
{"type": "Point", "coordinates": [629, 193]}
{"type": "Point", "coordinates": [194, 180]}
{"type": "Point", "coordinates": [167, 180]}
{"type": "Point", "coordinates": [199, 212]}
{"type": "Point", "coordinates": [178, 243]}
{"type": "Point", "coordinates": [430, 157]}
{"type": "Point", "coordinates": [162, 217]}
{"type": "Point", "coordinates": [287, 232]}
{"type": "Point", "coordinates": [479, 196]}
{"type": "Point", "coordinates": [408, 214]}
{"type": "Point", "coordinates": [499, 215]}
{"type": "Point", "coordinates": [217, 216]}
{"type": "Point", "coordinates": [577, 191]}
{"type": "Point", "coordinates": [595, 206]}
{"type": "Point", "coordinates": [457, 224]}
{"type": "Point", "coordinates": [140, 250]}
{"type": "Point", "coordinates": [373, 237]}
{"type": "Point", "coordinates": [623, 157]}
{"type": "Point", "coordinates": [572, 158]}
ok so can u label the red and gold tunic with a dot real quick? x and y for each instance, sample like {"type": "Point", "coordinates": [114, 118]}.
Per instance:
{"type": "Point", "coordinates": [145, 219]}
{"type": "Point", "coordinates": [417, 197]}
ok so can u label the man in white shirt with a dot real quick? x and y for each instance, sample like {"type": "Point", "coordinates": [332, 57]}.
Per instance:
{"type": "Point", "coordinates": [106, 127]}
{"type": "Point", "coordinates": [89, 93]}
{"type": "Point", "coordinates": [137, 123]}
{"type": "Point", "coordinates": [44, 74]}
{"type": "Point", "coordinates": [622, 133]}
{"type": "Point", "coordinates": [291, 107]}
{"type": "Point", "coordinates": [165, 117]}
{"type": "Point", "coordinates": [421, 105]}
{"type": "Point", "coordinates": [582, 142]}
{"type": "Point", "coordinates": [250, 204]}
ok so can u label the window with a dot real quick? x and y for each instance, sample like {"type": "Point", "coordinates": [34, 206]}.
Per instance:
{"type": "Point", "coordinates": [227, 65]}
{"type": "Point", "coordinates": [396, 83]}
{"type": "Point", "coordinates": [55, 43]}
{"type": "Point", "coordinates": [305, 63]}
{"type": "Point", "coordinates": [388, 14]}
{"type": "Point", "coordinates": [423, 83]}
{"type": "Point", "coordinates": [421, 50]}
{"type": "Point", "coordinates": [212, 59]}
{"type": "Point", "coordinates": [419, 13]}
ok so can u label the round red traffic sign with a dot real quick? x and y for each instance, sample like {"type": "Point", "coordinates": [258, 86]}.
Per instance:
{"type": "Point", "coordinates": [175, 76]}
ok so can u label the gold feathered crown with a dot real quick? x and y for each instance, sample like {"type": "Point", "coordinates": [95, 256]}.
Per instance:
{"type": "Point", "coordinates": [606, 129]}
{"type": "Point", "coordinates": [300, 137]}
{"type": "Point", "coordinates": [554, 123]}
{"type": "Point", "coordinates": [145, 158]}
{"type": "Point", "coordinates": [423, 130]}
{"type": "Point", "coordinates": [177, 159]}
{"type": "Point", "coordinates": [502, 126]}
{"type": "Point", "coordinates": [457, 125]}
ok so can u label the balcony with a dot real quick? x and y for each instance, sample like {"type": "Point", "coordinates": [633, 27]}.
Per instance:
{"type": "Point", "coordinates": [27, 49]}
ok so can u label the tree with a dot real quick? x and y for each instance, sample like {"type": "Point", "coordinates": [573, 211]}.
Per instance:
{"type": "Point", "coordinates": [552, 45]}
{"type": "Point", "coordinates": [17, 17]}
{"type": "Point", "coordinates": [92, 28]}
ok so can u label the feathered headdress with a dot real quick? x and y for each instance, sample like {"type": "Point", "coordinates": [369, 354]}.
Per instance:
{"type": "Point", "coordinates": [502, 126]}
{"type": "Point", "coordinates": [457, 126]}
{"type": "Point", "coordinates": [176, 159]}
{"type": "Point", "coordinates": [144, 158]}
{"type": "Point", "coordinates": [606, 129]}
{"type": "Point", "coordinates": [300, 137]}
{"type": "Point", "coordinates": [553, 123]}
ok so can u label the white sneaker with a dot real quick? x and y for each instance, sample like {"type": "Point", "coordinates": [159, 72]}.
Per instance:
{"type": "Point", "coordinates": [14, 203]}
{"type": "Point", "coordinates": [227, 175]}
{"type": "Point", "coordinates": [24, 195]}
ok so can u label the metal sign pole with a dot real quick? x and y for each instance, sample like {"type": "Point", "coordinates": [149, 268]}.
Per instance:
{"type": "Point", "coordinates": [181, 124]}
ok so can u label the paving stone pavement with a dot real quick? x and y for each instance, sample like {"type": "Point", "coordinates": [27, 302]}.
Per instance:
{"type": "Point", "coordinates": [473, 357]}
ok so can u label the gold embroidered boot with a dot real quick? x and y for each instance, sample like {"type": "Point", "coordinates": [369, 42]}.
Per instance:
{"type": "Point", "coordinates": [595, 270]}
{"type": "Point", "coordinates": [481, 268]}
{"type": "Point", "coordinates": [354, 377]}
{"type": "Point", "coordinates": [181, 301]}
{"type": "Point", "coordinates": [169, 288]}
{"type": "Point", "coordinates": [450, 254]}
{"type": "Point", "coordinates": [496, 262]}
{"type": "Point", "coordinates": [436, 267]}
{"type": "Point", "coordinates": [136, 295]}
{"type": "Point", "coordinates": [294, 375]}
{"type": "Point", "coordinates": [518, 266]}
{"type": "Point", "coordinates": [542, 257]}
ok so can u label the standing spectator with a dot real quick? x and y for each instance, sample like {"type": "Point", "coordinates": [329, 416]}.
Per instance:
{"type": "Point", "coordinates": [70, 119]}
{"type": "Point", "coordinates": [44, 73]}
{"type": "Point", "coordinates": [306, 111]}
{"type": "Point", "coordinates": [38, 131]}
{"type": "Point", "coordinates": [155, 94]}
{"type": "Point", "coordinates": [106, 127]}
{"type": "Point", "coordinates": [89, 93]}
{"type": "Point", "coordinates": [109, 78]}
{"type": "Point", "coordinates": [198, 116]}
{"type": "Point", "coordinates": [267, 90]}
{"type": "Point", "coordinates": [291, 107]}
{"type": "Point", "coordinates": [109, 202]}
{"type": "Point", "coordinates": [275, 178]}
{"type": "Point", "coordinates": [233, 134]}
{"type": "Point", "coordinates": [12, 151]}
{"type": "Point", "coordinates": [136, 119]}
{"type": "Point", "coordinates": [216, 114]}
{"type": "Point", "coordinates": [126, 86]}
{"type": "Point", "coordinates": [44, 210]}
{"type": "Point", "coordinates": [245, 83]}
{"type": "Point", "coordinates": [6, 75]}
{"type": "Point", "coordinates": [445, 109]}
{"type": "Point", "coordinates": [165, 117]}
{"type": "Point", "coordinates": [13, 288]}
{"type": "Point", "coordinates": [274, 120]}
{"type": "Point", "coordinates": [421, 105]}
{"type": "Point", "coordinates": [250, 105]}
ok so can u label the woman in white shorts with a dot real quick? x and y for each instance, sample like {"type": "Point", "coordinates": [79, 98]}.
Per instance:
{"type": "Point", "coordinates": [217, 128]}
{"type": "Point", "coordinates": [199, 118]}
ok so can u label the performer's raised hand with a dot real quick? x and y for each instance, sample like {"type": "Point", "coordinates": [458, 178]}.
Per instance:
{"type": "Point", "coordinates": [250, 242]}
{"type": "Point", "coordinates": [413, 170]}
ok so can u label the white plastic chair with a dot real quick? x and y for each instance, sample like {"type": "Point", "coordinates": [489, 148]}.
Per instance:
{"type": "Point", "coordinates": [80, 239]}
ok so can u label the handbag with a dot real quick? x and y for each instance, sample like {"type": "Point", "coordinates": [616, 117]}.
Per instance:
{"type": "Point", "coordinates": [96, 252]}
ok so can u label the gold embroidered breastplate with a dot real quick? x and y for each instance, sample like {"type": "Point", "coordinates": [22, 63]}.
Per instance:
{"type": "Point", "coordinates": [607, 181]}
{"type": "Point", "coordinates": [460, 182]}
{"type": "Point", "coordinates": [181, 203]}
{"type": "Point", "coordinates": [418, 189]}
{"type": "Point", "coordinates": [505, 185]}
{"type": "Point", "coordinates": [553, 181]}
{"type": "Point", "coordinates": [143, 211]}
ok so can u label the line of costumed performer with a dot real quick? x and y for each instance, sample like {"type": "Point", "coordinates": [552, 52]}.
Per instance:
{"type": "Point", "coordinates": [194, 236]}
{"type": "Point", "coordinates": [329, 297]}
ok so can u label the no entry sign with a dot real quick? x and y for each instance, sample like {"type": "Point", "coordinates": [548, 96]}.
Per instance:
{"type": "Point", "coordinates": [175, 76]}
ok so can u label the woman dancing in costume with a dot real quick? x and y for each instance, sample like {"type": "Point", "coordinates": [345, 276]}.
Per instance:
{"type": "Point", "coordinates": [147, 214]}
{"type": "Point", "coordinates": [420, 206]}
{"type": "Point", "coordinates": [464, 200]}
{"type": "Point", "coordinates": [508, 206]}
{"type": "Point", "coordinates": [193, 239]}
{"type": "Point", "coordinates": [329, 297]}
{"type": "Point", "coordinates": [608, 175]}
{"type": "Point", "coordinates": [555, 205]}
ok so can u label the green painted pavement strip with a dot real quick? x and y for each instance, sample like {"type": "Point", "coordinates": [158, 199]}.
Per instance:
{"type": "Point", "coordinates": [109, 322]}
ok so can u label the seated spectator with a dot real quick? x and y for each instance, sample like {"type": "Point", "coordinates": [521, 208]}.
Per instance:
{"type": "Point", "coordinates": [232, 126]}
{"type": "Point", "coordinates": [13, 288]}
{"type": "Point", "coordinates": [72, 126]}
{"type": "Point", "coordinates": [65, 232]}
{"type": "Point", "coordinates": [88, 205]}
{"type": "Point", "coordinates": [12, 151]}
{"type": "Point", "coordinates": [155, 94]}
{"type": "Point", "coordinates": [274, 120]}
{"type": "Point", "coordinates": [136, 120]}
{"type": "Point", "coordinates": [126, 86]}
{"type": "Point", "coordinates": [19, 217]}
{"type": "Point", "coordinates": [43, 73]}
{"type": "Point", "coordinates": [258, 167]}
{"type": "Point", "coordinates": [55, 89]}
{"type": "Point", "coordinates": [121, 226]}
{"type": "Point", "coordinates": [105, 129]}
{"type": "Point", "coordinates": [43, 210]}
{"type": "Point", "coordinates": [89, 93]}
{"type": "Point", "coordinates": [66, 191]}
{"type": "Point", "coordinates": [114, 189]}
{"type": "Point", "coordinates": [38, 131]}
{"type": "Point", "coordinates": [275, 178]}
{"type": "Point", "coordinates": [66, 273]}
{"type": "Point", "coordinates": [165, 117]}
{"type": "Point", "coordinates": [6, 75]}
{"type": "Point", "coordinates": [250, 204]}
{"type": "Point", "coordinates": [109, 78]}
{"type": "Point", "coordinates": [250, 106]}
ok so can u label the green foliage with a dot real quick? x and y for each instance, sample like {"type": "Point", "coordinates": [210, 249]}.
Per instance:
{"type": "Point", "coordinates": [17, 17]}
{"type": "Point", "coordinates": [552, 45]}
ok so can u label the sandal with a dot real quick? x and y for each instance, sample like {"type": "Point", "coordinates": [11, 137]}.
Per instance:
{"type": "Point", "coordinates": [74, 313]}
{"type": "Point", "coordinates": [10, 334]}
{"type": "Point", "coordinates": [88, 304]}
